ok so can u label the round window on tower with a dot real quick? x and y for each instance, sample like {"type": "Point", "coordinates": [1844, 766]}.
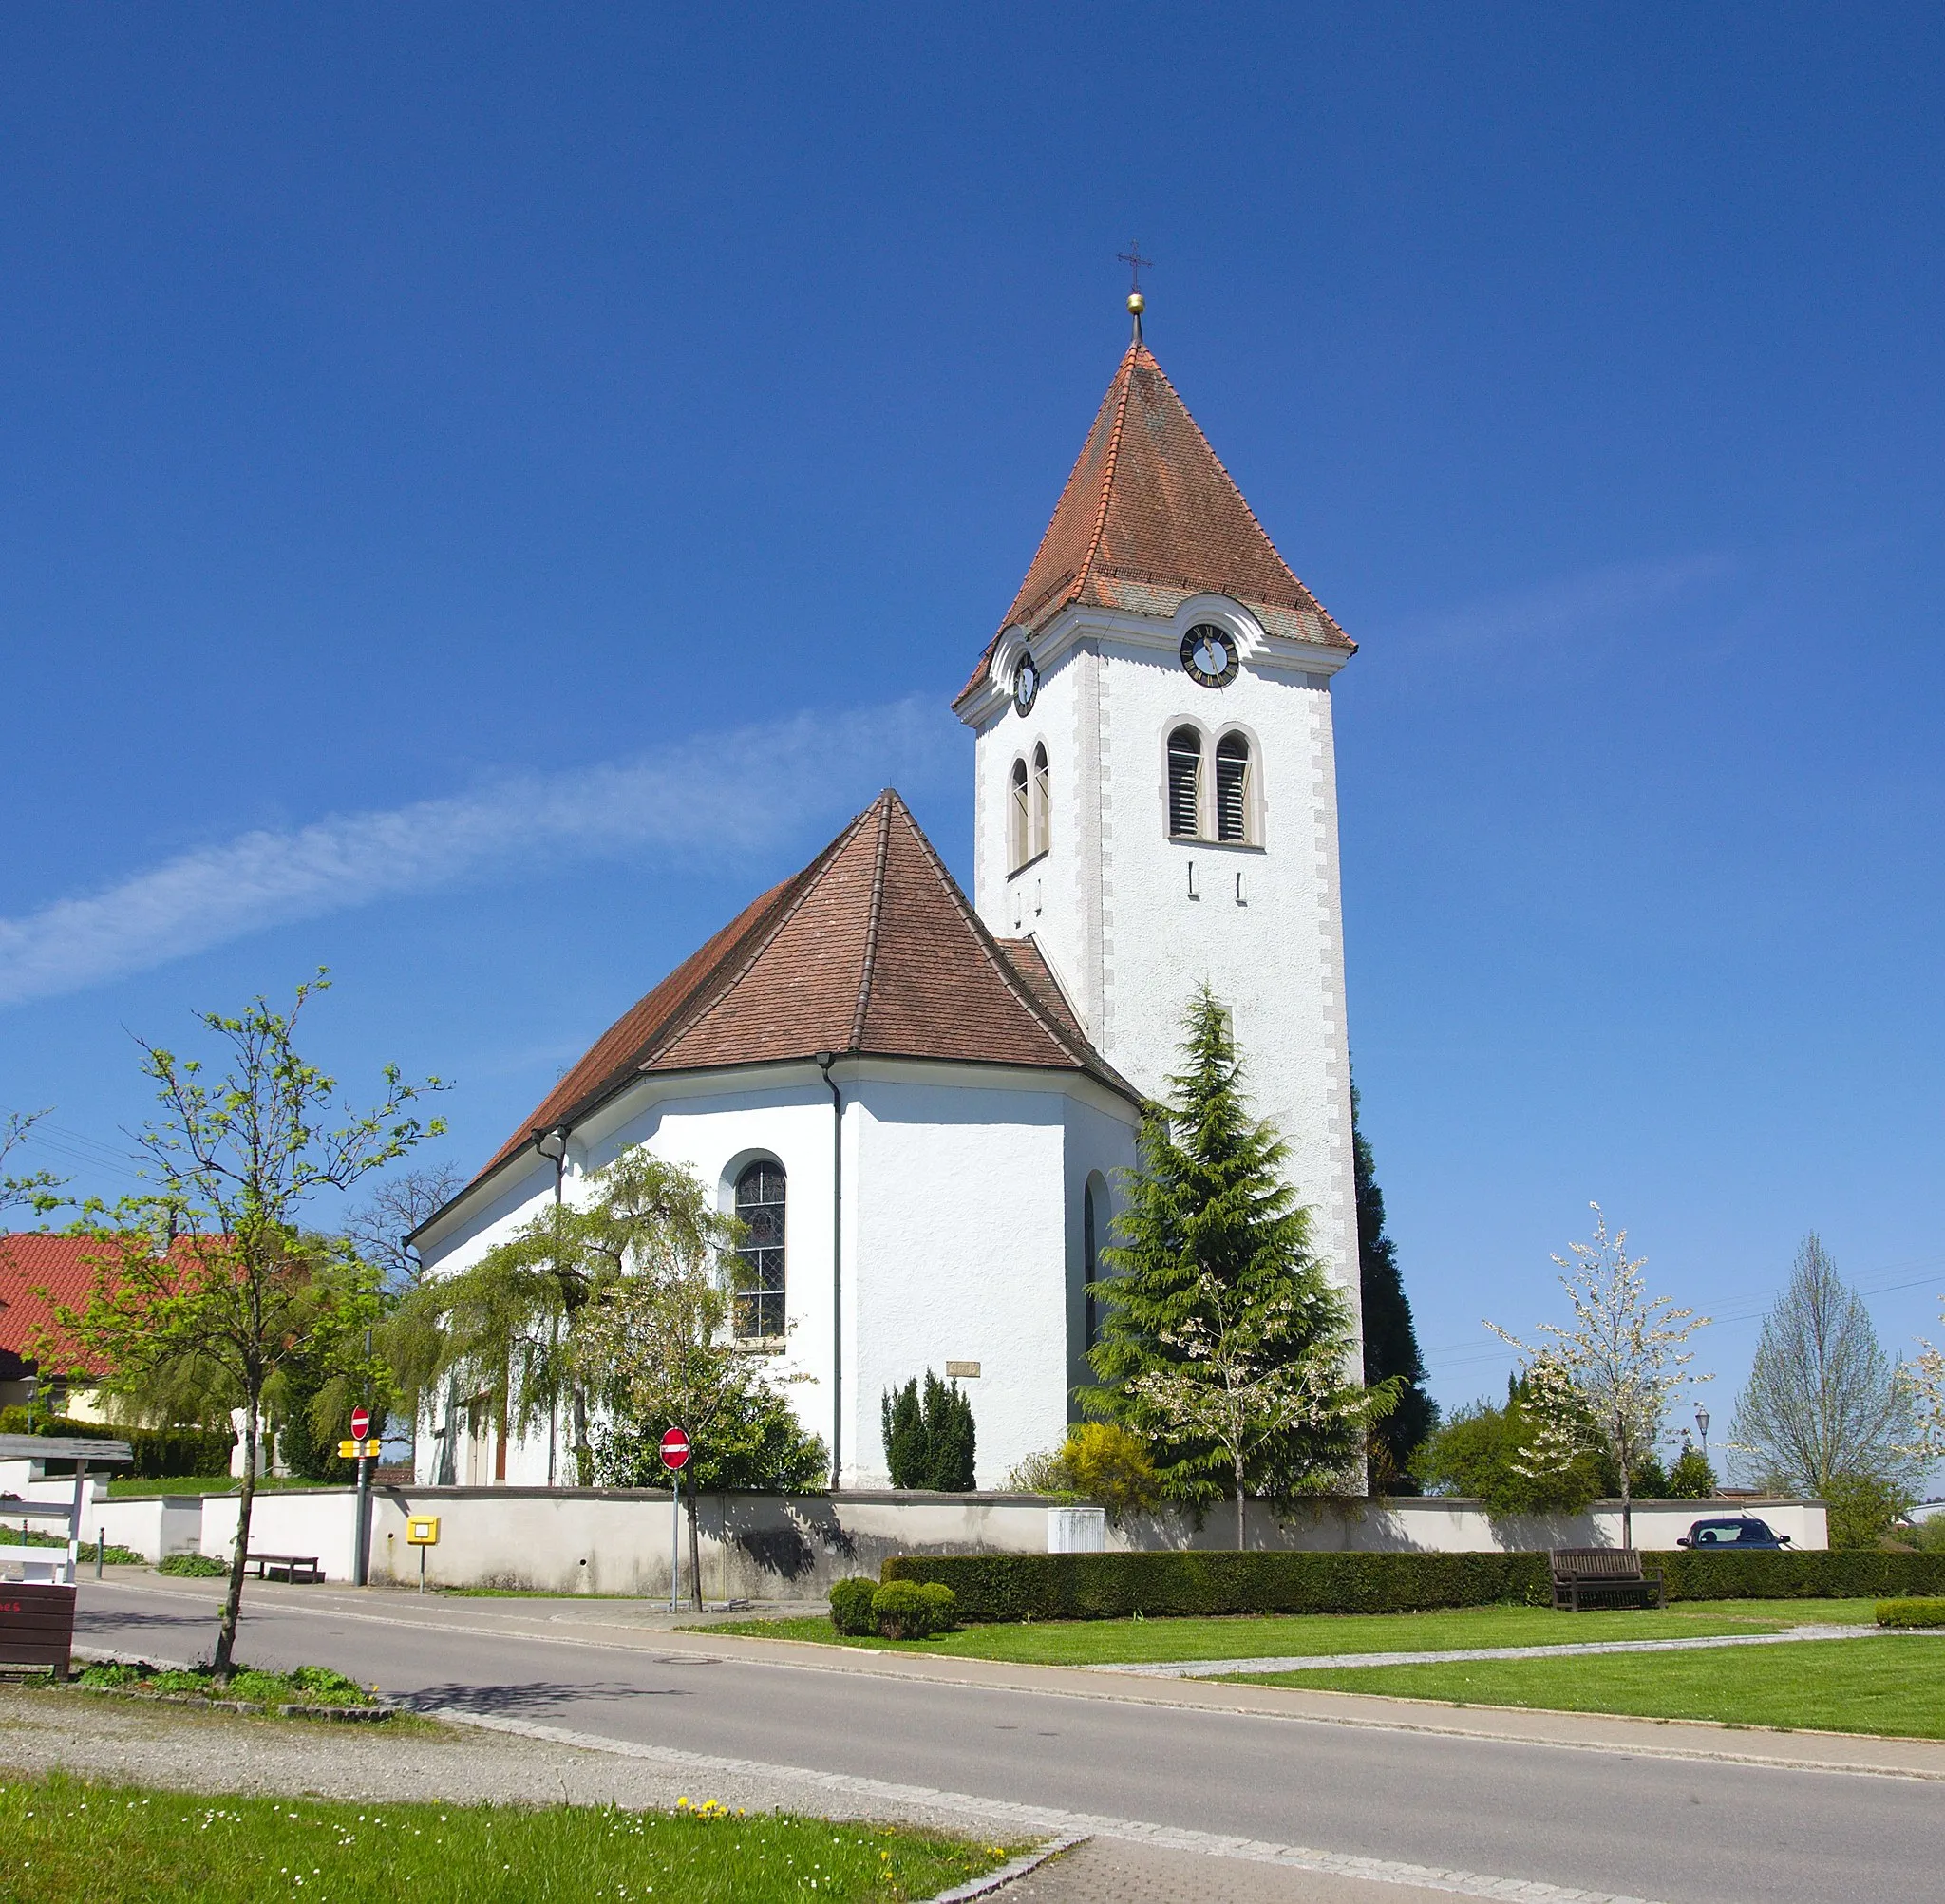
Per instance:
{"type": "Point", "coordinates": [1208, 655]}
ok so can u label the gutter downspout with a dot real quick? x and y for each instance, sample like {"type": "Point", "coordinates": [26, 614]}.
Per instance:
{"type": "Point", "coordinates": [558, 1158]}
{"type": "Point", "coordinates": [823, 1061]}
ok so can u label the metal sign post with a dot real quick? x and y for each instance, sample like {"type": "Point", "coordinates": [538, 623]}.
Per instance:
{"type": "Point", "coordinates": [676, 1458]}
{"type": "Point", "coordinates": [361, 1549]}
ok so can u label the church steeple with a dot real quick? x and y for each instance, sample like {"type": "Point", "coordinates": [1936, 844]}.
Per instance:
{"type": "Point", "coordinates": [1149, 515]}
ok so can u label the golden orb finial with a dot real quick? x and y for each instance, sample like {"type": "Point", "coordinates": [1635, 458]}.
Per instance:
{"type": "Point", "coordinates": [1137, 303]}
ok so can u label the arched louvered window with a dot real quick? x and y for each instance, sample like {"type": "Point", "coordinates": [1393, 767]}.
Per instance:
{"type": "Point", "coordinates": [759, 1296]}
{"type": "Point", "coordinates": [1043, 814]}
{"type": "Point", "coordinates": [1019, 831]}
{"type": "Point", "coordinates": [1233, 788]}
{"type": "Point", "coordinates": [1184, 783]}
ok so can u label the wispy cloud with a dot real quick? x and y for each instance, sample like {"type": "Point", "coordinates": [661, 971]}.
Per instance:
{"type": "Point", "coordinates": [1595, 601]}
{"type": "Point", "coordinates": [738, 791]}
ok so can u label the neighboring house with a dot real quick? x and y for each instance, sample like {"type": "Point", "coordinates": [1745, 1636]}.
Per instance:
{"type": "Point", "coordinates": [31, 1260]}
{"type": "Point", "coordinates": [919, 1102]}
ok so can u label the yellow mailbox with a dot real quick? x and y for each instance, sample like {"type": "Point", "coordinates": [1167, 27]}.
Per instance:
{"type": "Point", "coordinates": [422, 1531]}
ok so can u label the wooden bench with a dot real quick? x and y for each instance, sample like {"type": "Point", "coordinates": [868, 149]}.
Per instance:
{"type": "Point", "coordinates": [1599, 1574]}
{"type": "Point", "coordinates": [36, 1629]}
{"type": "Point", "coordinates": [300, 1568]}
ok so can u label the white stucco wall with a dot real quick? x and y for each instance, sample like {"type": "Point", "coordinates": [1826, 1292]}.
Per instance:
{"type": "Point", "coordinates": [961, 1235]}
{"type": "Point", "coordinates": [1134, 921]}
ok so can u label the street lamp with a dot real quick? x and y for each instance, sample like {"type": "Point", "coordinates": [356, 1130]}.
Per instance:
{"type": "Point", "coordinates": [1702, 1423]}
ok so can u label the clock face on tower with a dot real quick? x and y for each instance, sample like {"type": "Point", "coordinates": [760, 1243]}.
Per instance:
{"type": "Point", "coordinates": [1026, 685]}
{"type": "Point", "coordinates": [1208, 655]}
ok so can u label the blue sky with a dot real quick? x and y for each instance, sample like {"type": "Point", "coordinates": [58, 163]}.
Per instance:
{"type": "Point", "coordinates": [487, 492]}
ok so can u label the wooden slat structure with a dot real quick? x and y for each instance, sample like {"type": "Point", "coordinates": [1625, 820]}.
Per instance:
{"type": "Point", "coordinates": [1603, 1574]}
{"type": "Point", "coordinates": [37, 1616]}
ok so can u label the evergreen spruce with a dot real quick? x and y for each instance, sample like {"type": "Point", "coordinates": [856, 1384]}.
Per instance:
{"type": "Point", "coordinates": [1214, 1287]}
{"type": "Point", "coordinates": [930, 1439]}
{"type": "Point", "coordinates": [905, 1440]}
{"type": "Point", "coordinates": [1391, 1339]}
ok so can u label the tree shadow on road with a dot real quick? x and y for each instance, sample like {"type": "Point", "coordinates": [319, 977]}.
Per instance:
{"type": "Point", "coordinates": [536, 1698]}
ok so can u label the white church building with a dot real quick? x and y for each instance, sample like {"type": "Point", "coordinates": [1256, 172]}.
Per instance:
{"type": "Point", "coordinates": [920, 1102]}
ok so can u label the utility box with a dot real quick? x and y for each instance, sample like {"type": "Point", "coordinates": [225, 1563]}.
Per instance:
{"type": "Point", "coordinates": [1076, 1530]}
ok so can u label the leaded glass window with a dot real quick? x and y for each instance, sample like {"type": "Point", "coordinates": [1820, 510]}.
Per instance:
{"type": "Point", "coordinates": [759, 1298]}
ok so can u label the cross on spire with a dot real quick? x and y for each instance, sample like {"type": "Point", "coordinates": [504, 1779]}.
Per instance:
{"type": "Point", "coordinates": [1134, 260]}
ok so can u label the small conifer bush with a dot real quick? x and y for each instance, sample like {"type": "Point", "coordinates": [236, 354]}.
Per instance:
{"type": "Point", "coordinates": [851, 1612]}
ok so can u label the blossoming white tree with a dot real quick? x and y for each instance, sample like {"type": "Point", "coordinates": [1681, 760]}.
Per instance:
{"type": "Point", "coordinates": [1614, 1370]}
{"type": "Point", "coordinates": [1925, 1380]}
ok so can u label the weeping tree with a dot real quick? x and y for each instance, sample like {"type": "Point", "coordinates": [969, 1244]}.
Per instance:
{"type": "Point", "coordinates": [1224, 1345]}
{"type": "Point", "coordinates": [210, 1274]}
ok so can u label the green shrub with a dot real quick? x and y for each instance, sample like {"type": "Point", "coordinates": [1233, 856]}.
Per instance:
{"type": "Point", "coordinates": [167, 1454]}
{"type": "Point", "coordinates": [1691, 1477]}
{"type": "Point", "coordinates": [904, 1611]}
{"type": "Point", "coordinates": [1007, 1587]}
{"type": "Point", "coordinates": [1913, 1612]}
{"type": "Point", "coordinates": [1928, 1535]}
{"type": "Point", "coordinates": [191, 1566]}
{"type": "Point", "coordinates": [930, 1442]}
{"type": "Point", "coordinates": [1114, 1585]}
{"type": "Point", "coordinates": [1862, 1509]}
{"type": "Point", "coordinates": [1861, 1574]}
{"type": "Point", "coordinates": [944, 1604]}
{"type": "Point", "coordinates": [851, 1605]}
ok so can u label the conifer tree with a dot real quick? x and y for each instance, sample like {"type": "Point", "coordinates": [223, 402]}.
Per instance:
{"type": "Point", "coordinates": [1391, 1338]}
{"type": "Point", "coordinates": [1225, 1346]}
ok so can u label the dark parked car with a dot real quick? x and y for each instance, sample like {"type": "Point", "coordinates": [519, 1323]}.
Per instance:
{"type": "Point", "coordinates": [1743, 1533]}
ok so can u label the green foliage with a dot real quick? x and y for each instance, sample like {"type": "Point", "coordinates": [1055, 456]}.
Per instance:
{"type": "Point", "coordinates": [905, 1610]}
{"type": "Point", "coordinates": [851, 1601]}
{"type": "Point", "coordinates": [1390, 1337]}
{"type": "Point", "coordinates": [96, 1844]}
{"type": "Point", "coordinates": [1912, 1612]}
{"type": "Point", "coordinates": [930, 1439]}
{"type": "Point", "coordinates": [1009, 1587]}
{"type": "Point", "coordinates": [1224, 1346]}
{"type": "Point", "coordinates": [1487, 1453]}
{"type": "Point", "coordinates": [159, 1453]}
{"type": "Point", "coordinates": [1111, 1467]}
{"type": "Point", "coordinates": [755, 1444]}
{"type": "Point", "coordinates": [1691, 1477]}
{"type": "Point", "coordinates": [1863, 1508]}
{"type": "Point", "coordinates": [1928, 1537]}
{"type": "Point", "coordinates": [40, 1189]}
{"type": "Point", "coordinates": [1117, 1585]}
{"type": "Point", "coordinates": [191, 1566]}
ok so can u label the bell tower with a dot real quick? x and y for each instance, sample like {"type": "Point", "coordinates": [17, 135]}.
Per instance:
{"type": "Point", "coordinates": [1155, 787]}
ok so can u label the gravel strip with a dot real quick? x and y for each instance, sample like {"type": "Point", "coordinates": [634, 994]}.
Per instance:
{"type": "Point", "coordinates": [1317, 1662]}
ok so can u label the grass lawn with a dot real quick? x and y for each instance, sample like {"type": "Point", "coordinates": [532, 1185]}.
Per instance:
{"type": "Point", "coordinates": [1892, 1686]}
{"type": "Point", "coordinates": [65, 1843]}
{"type": "Point", "coordinates": [1107, 1642]}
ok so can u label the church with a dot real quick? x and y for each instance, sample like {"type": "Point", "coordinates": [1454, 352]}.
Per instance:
{"type": "Point", "coordinates": [919, 1102]}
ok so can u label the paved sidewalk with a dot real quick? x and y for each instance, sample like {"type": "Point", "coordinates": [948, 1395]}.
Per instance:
{"type": "Point", "coordinates": [1324, 1662]}
{"type": "Point", "coordinates": [1110, 1870]}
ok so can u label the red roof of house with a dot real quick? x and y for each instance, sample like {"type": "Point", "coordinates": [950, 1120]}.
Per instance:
{"type": "Point", "coordinates": [1149, 512]}
{"type": "Point", "coordinates": [872, 948]}
{"type": "Point", "coordinates": [64, 1266]}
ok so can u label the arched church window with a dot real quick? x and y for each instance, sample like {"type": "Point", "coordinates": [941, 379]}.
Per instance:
{"type": "Point", "coordinates": [759, 1296]}
{"type": "Point", "coordinates": [1042, 815]}
{"type": "Point", "coordinates": [1184, 783]}
{"type": "Point", "coordinates": [1019, 832]}
{"type": "Point", "coordinates": [1233, 788]}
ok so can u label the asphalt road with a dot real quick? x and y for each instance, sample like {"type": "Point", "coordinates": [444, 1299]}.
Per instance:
{"type": "Point", "coordinates": [1685, 1831]}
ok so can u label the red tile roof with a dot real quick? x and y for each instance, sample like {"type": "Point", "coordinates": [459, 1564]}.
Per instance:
{"type": "Point", "coordinates": [64, 1266]}
{"type": "Point", "coordinates": [872, 948]}
{"type": "Point", "coordinates": [1149, 507]}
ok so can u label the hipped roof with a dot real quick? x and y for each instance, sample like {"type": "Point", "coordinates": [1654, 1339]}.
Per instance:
{"type": "Point", "coordinates": [1149, 516]}
{"type": "Point", "coordinates": [871, 950]}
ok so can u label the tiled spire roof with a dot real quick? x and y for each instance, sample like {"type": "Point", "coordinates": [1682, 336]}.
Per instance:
{"type": "Point", "coordinates": [1149, 515]}
{"type": "Point", "coordinates": [871, 950]}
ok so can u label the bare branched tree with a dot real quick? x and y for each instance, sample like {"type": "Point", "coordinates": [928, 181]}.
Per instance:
{"type": "Point", "coordinates": [1616, 1368]}
{"type": "Point", "coordinates": [40, 1189]}
{"type": "Point", "coordinates": [1825, 1404]}
{"type": "Point", "coordinates": [378, 1228]}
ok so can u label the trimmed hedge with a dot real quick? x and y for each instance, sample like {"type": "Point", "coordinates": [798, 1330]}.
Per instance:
{"type": "Point", "coordinates": [851, 1612]}
{"type": "Point", "coordinates": [160, 1454]}
{"type": "Point", "coordinates": [1009, 1587]}
{"type": "Point", "coordinates": [1911, 1612]}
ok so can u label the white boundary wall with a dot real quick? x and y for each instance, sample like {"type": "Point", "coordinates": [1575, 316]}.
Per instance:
{"type": "Point", "coordinates": [777, 1547]}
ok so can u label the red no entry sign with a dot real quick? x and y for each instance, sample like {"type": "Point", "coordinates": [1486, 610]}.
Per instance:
{"type": "Point", "coordinates": [361, 1423]}
{"type": "Point", "coordinates": [675, 1449]}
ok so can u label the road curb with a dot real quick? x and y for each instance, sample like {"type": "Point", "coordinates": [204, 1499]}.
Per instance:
{"type": "Point", "coordinates": [994, 1880]}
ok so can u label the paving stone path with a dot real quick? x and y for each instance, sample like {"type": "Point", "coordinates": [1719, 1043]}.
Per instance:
{"type": "Point", "coordinates": [1220, 1668]}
